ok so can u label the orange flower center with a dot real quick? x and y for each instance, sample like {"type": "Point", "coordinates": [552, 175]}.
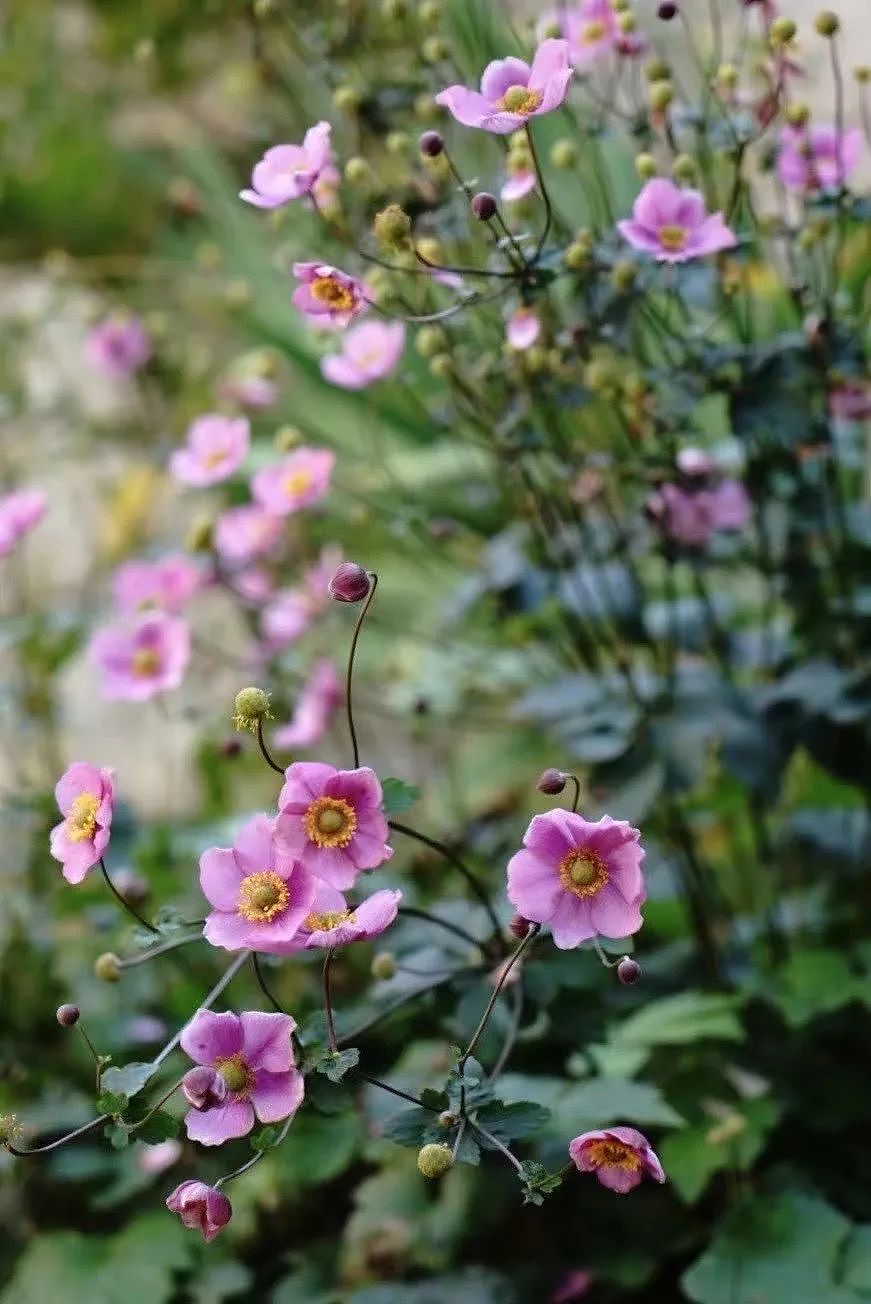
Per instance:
{"type": "Point", "coordinates": [262, 896]}
{"type": "Point", "coordinates": [297, 482]}
{"type": "Point", "coordinates": [593, 31]}
{"type": "Point", "coordinates": [583, 873]}
{"type": "Point", "coordinates": [520, 99]}
{"type": "Point", "coordinates": [612, 1154]}
{"type": "Point", "coordinates": [328, 921]}
{"type": "Point", "coordinates": [330, 822]}
{"type": "Point", "coordinates": [672, 237]}
{"type": "Point", "coordinates": [145, 663]}
{"type": "Point", "coordinates": [216, 457]}
{"type": "Point", "coordinates": [82, 819]}
{"type": "Point", "coordinates": [329, 290]}
{"type": "Point", "coordinates": [236, 1074]}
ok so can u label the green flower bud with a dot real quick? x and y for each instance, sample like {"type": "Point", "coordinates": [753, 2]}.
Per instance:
{"type": "Point", "coordinates": [627, 24]}
{"type": "Point", "coordinates": [107, 967]}
{"type": "Point", "coordinates": [660, 95]}
{"type": "Point", "coordinates": [727, 75]}
{"type": "Point", "coordinates": [564, 154]}
{"type": "Point", "coordinates": [862, 74]}
{"type": "Point", "coordinates": [425, 106]}
{"type": "Point", "coordinates": [435, 49]}
{"type": "Point", "coordinates": [645, 166]}
{"type": "Point", "coordinates": [430, 341]}
{"type": "Point", "coordinates": [199, 533]}
{"type": "Point", "coordinates": [286, 438]}
{"type": "Point", "coordinates": [577, 256]}
{"type": "Point", "coordinates": [797, 115]}
{"type": "Point", "coordinates": [383, 965]}
{"type": "Point", "coordinates": [623, 275]}
{"type": "Point", "coordinates": [827, 23]}
{"type": "Point", "coordinates": [392, 227]}
{"type": "Point", "coordinates": [657, 70]}
{"type": "Point", "coordinates": [430, 13]}
{"type": "Point", "coordinates": [398, 142]}
{"type": "Point", "coordinates": [684, 168]}
{"type": "Point", "coordinates": [441, 366]}
{"type": "Point", "coordinates": [435, 1159]}
{"type": "Point", "coordinates": [251, 707]}
{"type": "Point", "coordinates": [430, 249]}
{"type": "Point", "coordinates": [551, 30]}
{"type": "Point", "coordinates": [782, 31]}
{"type": "Point", "coordinates": [346, 99]}
{"type": "Point", "coordinates": [357, 171]}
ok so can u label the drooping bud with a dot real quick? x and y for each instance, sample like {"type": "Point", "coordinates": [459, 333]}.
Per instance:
{"type": "Point", "coordinates": [383, 965]}
{"type": "Point", "coordinates": [251, 707]}
{"type": "Point", "coordinates": [551, 781]}
{"type": "Point", "coordinates": [484, 205]}
{"type": "Point", "coordinates": [518, 927]}
{"type": "Point", "coordinates": [434, 1159]}
{"type": "Point", "coordinates": [349, 583]}
{"type": "Point", "coordinates": [67, 1015]}
{"type": "Point", "coordinates": [107, 967]}
{"type": "Point", "coordinates": [203, 1087]}
{"type": "Point", "coordinates": [628, 971]}
{"type": "Point", "coordinates": [392, 226]}
{"type": "Point", "coordinates": [446, 1119]}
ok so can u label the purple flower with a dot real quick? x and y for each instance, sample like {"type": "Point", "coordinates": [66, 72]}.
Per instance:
{"type": "Point", "coordinates": [20, 511]}
{"type": "Point", "coordinates": [141, 660]}
{"type": "Point", "coordinates": [370, 351]}
{"type": "Point", "coordinates": [328, 296]}
{"type": "Point", "coordinates": [215, 447]}
{"type": "Point", "coordinates": [167, 584]}
{"type": "Point", "coordinates": [243, 533]}
{"type": "Point", "coordinates": [203, 1087]}
{"type": "Point", "coordinates": [591, 30]}
{"type": "Point", "coordinates": [690, 516]}
{"type": "Point", "coordinates": [118, 346]}
{"type": "Point", "coordinates": [851, 401]}
{"type": "Point", "coordinates": [619, 1156]}
{"type": "Point", "coordinates": [288, 172]}
{"type": "Point", "coordinates": [580, 878]}
{"type": "Point", "coordinates": [333, 821]}
{"type": "Point", "coordinates": [330, 923]}
{"type": "Point", "coordinates": [253, 1054]}
{"type": "Point", "coordinates": [85, 798]}
{"type": "Point", "coordinates": [512, 92]}
{"type": "Point", "coordinates": [672, 224]}
{"type": "Point", "coordinates": [817, 158]}
{"type": "Point", "coordinates": [201, 1207]}
{"type": "Point", "coordinates": [523, 328]}
{"type": "Point", "coordinates": [260, 894]}
{"type": "Point", "coordinates": [301, 479]}
{"type": "Point", "coordinates": [318, 701]}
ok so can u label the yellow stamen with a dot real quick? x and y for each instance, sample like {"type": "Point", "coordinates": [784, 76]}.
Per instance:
{"type": "Point", "coordinates": [327, 289]}
{"type": "Point", "coordinates": [297, 482]}
{"type": "Point", "coordinates": [520, 99]}
{"type": "Point", "coordinates": [330, 822]}
{"type": "Point", "coordinates": [327, 922]}
{"type": "Point", "coordinates": [673, 238]}
{"type": "Point", "coordinates": [262, 896]}
{"type": "Point", "coordinates": [82, 819]}
{"type": "Point", "coordinates": [215, 458]}
{"type": "Point", "coordinates": [610, 1153]}
{"type": "Point", "coordinates": [145, 663]}
{"type": "Point", "coordinates": [592, 32]}
{"type": "Point", "coordinates": [583, 872]}
{"type": "Point", "coordinates": [236, 1074]}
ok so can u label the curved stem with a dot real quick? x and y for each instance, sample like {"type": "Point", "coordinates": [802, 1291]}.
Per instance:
{"type": "Point", "coordinates": [548, 207]}
{"type": "Point", "coordinates": [497, 1145]}
{"type": "Point", "coordinates": [577, 801]}
{"type": "Point", "coordinates": [511, 1038]}
{"type": "Point", "coordinates": [413, 912]}
{"type": "Point", "coordinates": [608, 964]}
{"type": "Point", "coordinates": [160, 950]}
{"type": "Point", "coordinates": [133, 1127]}
{"type": "Point", "coordinates": [125, 904]}
{"type": "Point", "coordinates": [405, 999]}
{"type": "Point", "coordinates": [265, 752]}
{"type": "Point", "coordinates": [451, 856]}
{"type": "Point", "coordinates": [328, 1003]}
{"type": "Point", "coordinates": [349, 677]}
{"type": "Point", "coordinates": [249, 1164]}
{"type": "Point", "coordinates": [262, 984]}
{"type": "Point", "coordinates": [503, 977]}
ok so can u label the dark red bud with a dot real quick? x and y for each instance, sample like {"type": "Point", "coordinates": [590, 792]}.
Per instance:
{"type": "Point", "coordinates": [519, 927]}
{"type": "Point", "coordinates": [431, 144]}
{"type": "Point", "coordinates": [628, 971]}
{"type": "Point", "coordinates": [484, 205]}
{"type": "Point", "coordinates": [350, 583]}
{"type": "Point", "coordinates": [203, 1087]}
{"type": "Point", "coordinates": [551, 781]}
{"type": "Point", "coordinates": [667, 10]}
{"type": "Point", "coordinates": [67, 1015]}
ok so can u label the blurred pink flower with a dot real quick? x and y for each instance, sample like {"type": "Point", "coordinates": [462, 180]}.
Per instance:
{"type": "Point", "coordinates": [215, 447]}
{"type": "Point", "coordinates": [619, 1156]}
{"type": "Point", "coordinates": [691, 516]}
{"type": "Point", "coordinates": [521, 180]}
{"type": "Point", "coordinates": [327, 295]}
{"type": "Point", "coordinates": [141, 660]}
{"type": "Point", "coordinates": [201, 1208]}
{"type": "Point", "coordinates": [298, 481]}
{"type": "Point", "coordinates": [512, 92]}
{"type": "Point", "coordinates": [318, 701]}
{"type": "Point", "coordinates": [574, 1285]}
{"type": "Point", "coordinates": [591, 30]}
{"type": "Point", "coordinates": [851, 401]}
{"type": "Point", "coordinates": [330, 923]}
{"type": "Point", "coordinates": [86, 799]}
{"type": "Point", "coordinates": [154, 1159]}
{"type": "Point", "coordinates": [286, 619]}
{"type": "Point", "coordinates": [288, 172]}
{"type": "Point", "coordinates": [167, 584]}
{"type": "Point", "coordinates": [253, 585]}
{"type": "Point", "coordinates": [370, 351]}
{"type": "Point", "coordinates": [118, 345]}
{"type": "Point", "coordinates": [817, 158]}
{"type": "Point", "coordinates": [243, 533]}
{"type": "Point", "coordinates": [673, 225]}
{"type": "Point", "coordinates": [523, 328]}
{"type": "Point", "coordinates": [333, 821]}
{"type": "Point", "coordinates": [249, 391]}
{"type": "Point", "coordinates": [20, 511]}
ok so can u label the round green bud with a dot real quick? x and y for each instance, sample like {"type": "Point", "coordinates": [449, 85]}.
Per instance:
{"type": "Point", "coordinates": [576, 256]}
{"type": "Point", "coordinates": [657, 70]}
{"type": "Point", "coordinates": [441, 366]}
{"type": "Point", "coordinates": [286, 438]}
{"type": "Point", "coordinates": [660, 95]}
{"type": "Point", "coordinates": [425, 106]}
{"type": "Point", "coordinates": [107, 967]}
{"type": "Point", "coordinates": [563, 154]}
{"type": "Point", "coordinates": [346, 99]}
{"type": "Point", "coordinates": [430, 341]}
{"type": "Point", "coordinates": [383, 965]}
{"type": "Point", "coordinates": [430, 13]}
{"type": "Point", "coordinates": [435, 1159]}
{"type": "Point", "coordinates": [798, 115]}
{"type": "Point", "coordinates": [199, 533]}
{"type": "Point", "coordinates": [392, 227]}
{"type": "Point", "coordinates": [627, 24]}
{"type": "Point", "coordinates": [727, 75]}
{"type": "Point", "coordinates": [862, 74]}
{"type": "Point", "coordinates": [645, 166]}
{"type": "Point", "coordinates": [263, 8]}
{"type": "Point", "coordinates": [684, 168]}
{"type": "Point", "coordinates": [782, 31]}
{"type": "Point", "coordinates": [827, 23]}
{"type": "Point", "coordinates": [623, 275]}
{"type": "Point", "coordinates": [620, 6]}
{"type": "Point", "coordinates": [634, 386]}
{"type": "Point", "coordinates": [434, 49]}
{"type": "Point", "coordinates": [398, 142]}
{"type": "Point", "coordinates": [357, 171]}
{"type": "Point", "coordinates": [251, 707]}
{"type": "Point", "coordinates": [430, 249]}
{"type": "Point", "coordinates": [237, 293]}
{"type": "Point", "coordinates": [599, 376]}
{"type": "Point", "coordinates": [552, 30]}
{"type": "Point", "coordinates": [534, 359]}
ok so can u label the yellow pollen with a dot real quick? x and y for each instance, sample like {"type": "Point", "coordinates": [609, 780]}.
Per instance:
{"type": "Point", "coordinates": [215, 458]}
{"type": "Point", "coordinates": [583, 873]}
{"type": "Point", "coordinates": [327, 922]}
{"type": "Point", "coordinates": [297, 482]}
{"type": "Point", "coordinates": [145, 663]}
{"type": "Point", "coordinates": [593, 31]}
{"type": "Point", "coordinates": [612, 1154]}
{"type": "Point", "coordinates": [520, 99]}
{"type": "Point", "coordinates": [262, 896]}
{"type": "Point", "coordinates": [326, 289]}
{"type": "Point", "coordinates": [330, 822]}
{"type": "Point", "coordinates": [672, 237]}
{"type": "Point", "coordinates": [82, 819]}
{"type": "Point", "coordinates": [236, 1074]}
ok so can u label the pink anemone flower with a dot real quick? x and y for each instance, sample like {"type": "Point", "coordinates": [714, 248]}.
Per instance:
{"type": "Point", "coordinates": [215, 447]}
{"type": "Point", "coordinates": [118, 346]}
{"type": "Point", "coordinates": [142, 660]}
{"type": "Point", "coordinates": [288, 172]}
{"type": "Point", "coordinates": [327, 295]}
{"type": "Point", "coordinates": [298, 481]}
{"type": "Point", "coordinates": [20, 512]}
{"type": "Point", "coordinates": [512, 92]}
{"type": "Point", "coordinates": [244, 533]}
{"type": "Point", "coordinates": [85, 798]}
{"type": "Point", "coordinates": [619, 1156]}
{"type": "Point", "coordinates": [692, 516]}
{"type": "Point", "coordinates": [333, 821]}
{"type": "Point", "coordinates": [370, 351]}
{"type": "Point", "coordinates": [319, 699]}
{"type": "Point", "coordinates": [330, 923]}
{"type": "Point", "coordinates": [672, 224]}
{"type": "Point", "coordinates": [259, 894]}
{"type": "Point", "coordinates": [582, 879]}
{"type": "Point", "coordinates": [253, 1054]}
{"type": "Point", "coordinates": [817, 158]}
{"type": "Point", "coordinates": [200, 1207]}
{"type": "Point", "coordinates": [523, 328]}
{"type": "Point", "coordinates": [167, 584]}
{"type": "Point", "coordinates": [520, 181]}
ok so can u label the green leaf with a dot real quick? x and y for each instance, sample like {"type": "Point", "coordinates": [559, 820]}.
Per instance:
{"type": "Point", "coordinates": [110, 1102]}
{"type": "Point", "coordinates": [603, 1101]}
{"type": "Point", "coordinates": [264, 1138]}
{"type": "Point", "coordinates": [682, 1019]}
{"type": "Point", "coordinates": [398, 795]}
{"type": "Point", "coordinates": [335, 1064]}
{"type": "Point", "coordinates": [129, 1080]}
{"type": "Point", "coordinates": [537, 1182]}
{"type": "Point", "coordinates": [408, 1127]}
{"type": "Point", "coordinates": [319, 1147]}
{"type": "Point", "coordinates": [692, 1155]}
{"type": "Point", "coordinates": [513, 1122]}
{"type": "Point", "coordinates": [162, 1126]}
{"type": "Point", "coordinates": [117, 1135]}
{"type": "Point", "coordinates": [814, 982]}
{"type": "Point", "coordinates": [856, 1270]}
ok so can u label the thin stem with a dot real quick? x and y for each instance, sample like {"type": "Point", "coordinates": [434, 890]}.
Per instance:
{"type": "Point", "coordinates": [508, 1044]}
{"type": "Point", "coordinates": [548, 207]}
{"type": "Point", "coordinates": [351, 1037]}
{"type": "Point", "coordinates": [497, 1145]}
{"type": "Point", "coordinates": [609, 964]}
{"type": "Point", "coordinates": [503, 977]}
{"type": "Point", "coordinates": [451, 856]}
{"type": "Point", "coordinates": [265, 753]}
{"type": "Point", "coordinates": [262, 984]}
{"type": "Point", "coordinates": [160, 950]}
{"type": "Point", "coordinates": [349, 677]}
{"type": "Point", "coordinates": [577, 801]}
{"type": "Point", "coordinates": [413, 912]}
{"type": "Point", "coordinates": [328, 1003]}
{"type": "Point", "coordinates": [395, 1091]}
{"type": "Point", "coordinates": [246, 1167]}
{"type": "Point", "coordinates": [125, 904]}
{"type": "Point", "coordinates": [133, 1127]}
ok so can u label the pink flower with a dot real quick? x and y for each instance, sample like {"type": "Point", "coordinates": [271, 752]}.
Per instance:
{"type": "Point", "coordinates": [672, 224]}
{"type": "Point", "coordinates": [243, 533]}
{"type": "Point", "coordinates": [591, 30]}
{"type": "Point", "coordinates": [619, 1156]}
{"type": "Point", "coordinates": [20, 511]}
{"type": "Point", "coordinates": [253, 585]}
{"type": "Point", "coordinates": [690, 516]}
{"type": "Point", "coordinates": [328, 296]}
{"type": "Point", "coordinates": [301, 479]}
{"type": "Point", "coordinates": [141, 660]}
{"type": "Point", "coordinates": [201, 1207]}
{"type": "Point", "coordinates": [254, 1055]}
{"type": "Point", "coordinates": [575, 1284]}
{"type": "Point", "coordinates": [249, 391]}
{"type": "Point", "coordinates": [85, 798]}
{"type": "Point", "coordinates": [333, 821]}
{"type": "Point", "coordinates": [851, 401]}
{"type": "Point", "coordinates": [319, 698]}
{"type": "Point", "coordinates": [215, 447]}
{"type": "Point", "coordinates": [330, 923]}
{"type": "Point", "coordinates": [154, 1159]}
{"type": "Point", "coordinates": [521, 179]}
{"type": "Point", "coordinates": [118, 346]}
{"type": "Point", "coordinates": [369, 353]}
{"type": "Point", "coordinates": [512, 92]}
{"type": "Point", "coordinates": [325, 190]}
{"type": "Point", "coordinates": [580, 878]}
{"type": "Point", "coordinates": [167, 584]}
{"type": "Point", "coordinates": [817, 158]}
{"type": "Point", "coordinates": [286, 618]}
{"type": "Point", "coordinates": [259, 892]}
{"type": "Point", "coordinates": [523, 328]}
{"type": "Point", "coordinates": [288, 172]}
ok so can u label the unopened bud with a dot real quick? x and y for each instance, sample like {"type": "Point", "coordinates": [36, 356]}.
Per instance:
{"type": "Point", "coordinates": [684, 168]}
{"type": "Point", "coordinates": [660, 95]}
{"type": "Point", "coordinates": [107, 967]}
{"type": "Point", "coordinates": [357, 171]}
{"type": "Point", "coordinates": [797, 115]}
{"type": "Point", "coordinates": [446, 1119]}
{"type": "Point", "coordinates": [564, 154]}
{"type": "Point", "coordinates": [441, 366]}
{"type": "Point", "coordinates": [551, 781]}
{"type": "Point", "coordinates": [431, 144]}
{"type": "Point", "coordinates": [434, 1159]}
{"type": "Point", "coordinates": [392, 226]}
{"type": "Point", "coordinates": [251, 707]}
{"type": "Point", "coordinates": [346, 99]}
{"type": "Point", "coordinates": [518, 927]}
{"type": "Point", "coordinates": [67, 1015]}
{"type": "Point", "coordinates": [484, 205]}
{"type": "Point", "coordinates": [349, 583]}
{"type": "Point", "coordinates": [862, 74]}
{"type": "Point", "coordinates": [429, 14]}
{"type": "Point", "coordinates": [628, 971]}
{"type": "Point", "coordinates": [782, 31]}
{"type": "Point", "coordinates": [203, 1087]}
{"type": "Point", "coordinates": [667, 10]}
{"type": "Point", "coordinates": [434, 49]}
{"type": "Point", "coordinates": [383, 965]}
{"type": "Point", "coordinates": [623, 275]}
{"type": "Point", "coordinates": [657, 70]}
{"type": "Point", "coordinates": [727, 75]}
{"type": "Point", "coordinates": [286, 438]}
{"type": "Point", "coordinates": [827, 23]}
{"type": "Point", "coordinates": [430, 341]}
{"type": "Point", "coordinates": [397, 142]}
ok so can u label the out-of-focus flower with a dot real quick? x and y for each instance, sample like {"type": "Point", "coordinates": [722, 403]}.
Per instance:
{"type": "Point", "coordinates": [215, 447]}
{"type": "Point", "coordinates": [20, 511]}
{"type": "Point", "coordinates": [85, 798]}
{"type": "Point", "coordinates": [286, 619]}
{"type": "Point", "coordinates": [512, 91]}
{"type": "Point", "coordinates": [244, 533]}
{"type": "Point", "coordinates": [333, 821]}
{"type": "Point", "coordinates": [167, 584]}
{"type": "Point", "coordinates": [523, 328]}
{"type": "Point", "coordinates": [521, 178]}
{"type": "Point", "coordinates": [301, 479]}
{"type": "Point", "coordinates": [851, 401]}
{"type": "Point", "coordinates": [370, 351]}
{"type": "Point", "coordinates": [259, 893]}
{"type": "Point", "coordinates": [330, 923]}
{"type": "Point", "coordinates": [591, 31]}
{"type": "Point", "coordinates": [619, 1156]}
{"type": "Point", "coordinates": [817, 158]}
{"type": "Point", "coordinates": [254, 1055]}
{"type": "Point", "coordinates": [118, 346]}
{"type": "Point", "coordinates": [582, 879]}
{"type": "Point", "coordinates": [691, 516]}
{"type": "Point", "coordinates": [328, 296]}
{"type": "Point", "coordinates": [141, 660]}
{"type": "Point", "coordinates": [574, 1285]}
{"type": "Point", "coordinates": [201, 1208]}
{"type": "Point", "coordinates": [248, 390]}
{"type": "Point", "coordinates": [154, 1159]}
{"type": "Point", "coordinates": [288, 172]}
{"type": "Point", "coordinates": [253, 585]}
{"type": "Point", "coordinates": [318, 701]}
{"type": "Point", "coordinates": [673, 225]}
